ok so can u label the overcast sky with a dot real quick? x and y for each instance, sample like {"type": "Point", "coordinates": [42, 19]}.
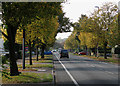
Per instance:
{"type": "Point", "coordinates": [74, 9]}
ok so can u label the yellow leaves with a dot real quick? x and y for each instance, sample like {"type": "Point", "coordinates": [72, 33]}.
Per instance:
{"type": "Point", "coordinates": [88, 39]}
{"type": "Point", "coordinates": [44, 29]}
{"type": "Point", "coordinates": [5, 31]}
{"type": "Point", "coordinates": [19, 36]}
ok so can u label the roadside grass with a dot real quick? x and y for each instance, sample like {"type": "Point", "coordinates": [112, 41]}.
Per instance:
{"type": "Point", "coordinates": [0, 76]}
{"type": "Point", "coordinates": [110, 60]}
{"type": "Point", "coordinates": [47, 57]}
{"type": "Point", "coordinates": [27, 77]}
{"type": "Point", "coordinates": [30, 75]}
{"type": "Point", "coordinates": [21, 69]}
{"type": "Point", "coordinates": [40, 61]}
{"type": "Point", "coordinates": [27, 69]}
{"type": "Point", "coordinates": [36, 66]}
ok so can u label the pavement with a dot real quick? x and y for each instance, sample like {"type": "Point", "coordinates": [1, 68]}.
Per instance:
{"type": "Point", "coordinates": [83, 71]}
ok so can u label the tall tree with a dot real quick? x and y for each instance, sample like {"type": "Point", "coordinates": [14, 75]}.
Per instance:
{"type": "Point", "coordinates": [108, 13]}
{"type": "Point", "coordinates": [71, 42]}
{"type": "Point", "coordinates": [13, 22]}
{"type": "Point", "coordinates": [19, 14]}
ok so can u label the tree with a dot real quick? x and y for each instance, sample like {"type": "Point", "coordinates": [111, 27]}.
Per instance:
{"type": "Point", "coordinates": [108, 13]}
{"type": "Point", "coordinates": [12, 22]}
{"type": "Point", "coordinates": [43, 30]}
{"type": "Point", "coordinates": [23, 13]}
{"type": "Point", "coordinates": [71, 42]}
{"type": "Point", "coordinates": [64, 23]}
{"type": "Point", "coordinates": [97, 29]}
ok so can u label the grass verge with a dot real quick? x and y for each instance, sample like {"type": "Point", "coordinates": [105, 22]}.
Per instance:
{"type": "Point", "coordinates": [46, 57]}
{"type": "Point", "coordinates": [27, 69]}
{"type": "Point", "coordinates": [28, 78]}
{"type": "Point", "coordinates": [36, 65]}
{"type": "Point", "coordinates": [110, 60]}
{"type": "Point", "coordinates": [40, 61]}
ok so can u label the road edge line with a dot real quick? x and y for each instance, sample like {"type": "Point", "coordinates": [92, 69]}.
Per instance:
{"type": "Point", "coordinates": [75, 82]}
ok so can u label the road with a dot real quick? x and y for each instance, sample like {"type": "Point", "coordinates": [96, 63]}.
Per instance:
{"type": "Point", "coordinates": [82, 71]}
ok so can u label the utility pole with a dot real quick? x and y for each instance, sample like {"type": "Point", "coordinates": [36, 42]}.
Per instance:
{"type": "Point", "coordinates": [23, 49]}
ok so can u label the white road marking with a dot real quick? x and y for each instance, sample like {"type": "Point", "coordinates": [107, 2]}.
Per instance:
{"type": "Point", "coordinates": [109, 72]}
{"type": "Point", "coordinates": [92, 65]}
{"type": "Point", "coordinates": [75, 82]}
{"type": "Point", "coordinates": [101, 68]}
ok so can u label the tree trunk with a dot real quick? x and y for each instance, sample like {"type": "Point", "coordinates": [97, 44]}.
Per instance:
{"type": "Point", "coordinates": [95, 52]}
{"type": "Point", "coordinates": [89, 50]}
{"type": "Point", "coordinates": [42, 51]}
{"type": "Point", "coordinates": [30, 49]}
{"type": "Point", "coordinates": [86, 49]}
{"type": "Point", "coordinates": [105, 50]}
{"type": "Point", "coordinates": [11, 38]}
{"type": "Point", "coordinates": [37, 52]}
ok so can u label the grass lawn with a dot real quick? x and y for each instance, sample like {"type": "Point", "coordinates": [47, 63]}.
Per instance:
{"type": "Point", "coordinates": [40, 61]}
{"type": "Point", "coordinates": [0, 77]}
{"type": "Point", "coordinates": [36, 65]}
{"type": "Point", "coordinates": [47, 57]}
{"type": "Point", "coordinates": [21, 69]}
{"type": "Point", "coordinates": [47, 60]}
{"type": "Point", "coordinates": [27, 77]}
{"type": "Point", "coordinates": [27, 69]}
{"type": "Point", "coordinates": [110, 60]}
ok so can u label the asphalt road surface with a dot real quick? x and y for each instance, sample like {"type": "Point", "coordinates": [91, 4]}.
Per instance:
{"type": "Point", "coordinates": [82, 71]}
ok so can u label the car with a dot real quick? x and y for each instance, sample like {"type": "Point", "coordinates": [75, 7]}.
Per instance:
{"type": "Point", "coordinates": [33, 53]}
{"type": "Point", "coordinates": [53, 51]}
{"type": "Point", "coordinates": [47, 53]}
{"type": "Point", "coordinates": [64, 53]}
{"type": "Point", "coordinates": [82, 53]}
{"type": "Point", "coordinates": [75, 52]}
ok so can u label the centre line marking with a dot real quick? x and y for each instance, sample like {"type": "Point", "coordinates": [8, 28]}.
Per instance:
{"type": "Point", "coordinates": [75, 82]}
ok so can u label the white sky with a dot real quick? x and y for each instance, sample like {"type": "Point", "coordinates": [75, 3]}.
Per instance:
{"type": "Point", "coordinates": [74, 9]}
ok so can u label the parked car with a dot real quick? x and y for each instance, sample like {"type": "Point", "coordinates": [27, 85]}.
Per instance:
{"type": "Point", "coordinates": [75, 52]}
{"type": "Point", "coordinates": [82, 53]}
{"type": "Point", "coordinates": [33, 53]}
{"type": "Point", "coordinates": [64, 53]}
{"type": "Point", "coordinates": [47, 53]}
{"type": "Point", "coordinates": [53, 51]}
